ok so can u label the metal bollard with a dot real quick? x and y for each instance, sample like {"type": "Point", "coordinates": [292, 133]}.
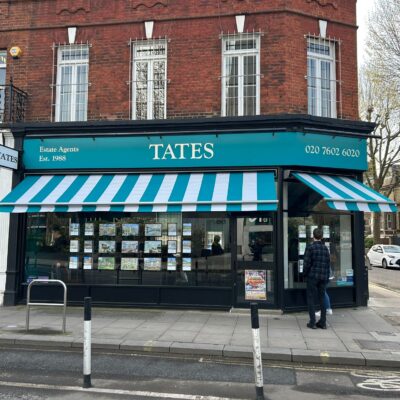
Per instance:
{"type": "Point", "coordinates": [258, 369]}
{"type": "Point", "coordinates": [87, 343]}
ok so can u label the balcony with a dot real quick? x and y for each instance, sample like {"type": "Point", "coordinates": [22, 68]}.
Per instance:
{"type": "Point", "coordinates": [12, 104]}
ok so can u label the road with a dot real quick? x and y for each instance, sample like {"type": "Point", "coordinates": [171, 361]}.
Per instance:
{"type": "Point", "coordinates": [50, 374]}
{"type": "Point", "coordinates": [389, 278]}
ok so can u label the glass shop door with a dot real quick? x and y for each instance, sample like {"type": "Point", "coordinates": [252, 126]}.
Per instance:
{"type": "Point", "coordinates": [255, 261]}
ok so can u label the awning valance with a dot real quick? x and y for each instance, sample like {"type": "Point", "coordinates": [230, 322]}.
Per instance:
{"type": "Point", "coordinates": [343, 193]}
{"type": "Point", "coordinates": [224, 191]}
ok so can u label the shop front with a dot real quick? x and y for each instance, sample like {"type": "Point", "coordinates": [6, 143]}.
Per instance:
{"type": "Point", "coordinates": [213, 213]}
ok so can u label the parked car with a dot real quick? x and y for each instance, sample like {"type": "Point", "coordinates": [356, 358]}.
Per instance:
{"type": "Point", "coordinates": [384, 255]}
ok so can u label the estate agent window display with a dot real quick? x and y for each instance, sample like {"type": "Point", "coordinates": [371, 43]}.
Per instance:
{"type": "Point", "coordinates": [307, 211]}
{"type": "Point", "coordinates": [128, 249]}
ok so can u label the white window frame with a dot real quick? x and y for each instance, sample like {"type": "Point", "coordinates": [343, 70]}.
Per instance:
{"type": "Point", "coordinates": [3, 65]}
{"type": "Point", "coordinates": [150, 59]}
{"type": "Point", "coordinates": [389, 221]}
{"type": "Point", "coordinates": [240, 54]}
{"type": "Point", "coordinates": [331, 58]}
{"type": "Point", "coordinates": [74, 64]}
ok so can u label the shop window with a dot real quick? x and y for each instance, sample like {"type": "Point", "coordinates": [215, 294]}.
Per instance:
{"type": "Point", "coordinates": [72, 83]}
{"type": "Point", "coordinates": [129, 249]}
{"type": "Point", "coordinates": [3, 65]}
{"type": "Point", "coordinates": [241, 75]}
{"type": "Point", "coordinates": [321, 78]}
{"type": "Point", "coordinates": [389, 221]}
{"type": "Point", "coordinates": [149, 79]}
{"type": "Point", "coordinates": [306, 211]}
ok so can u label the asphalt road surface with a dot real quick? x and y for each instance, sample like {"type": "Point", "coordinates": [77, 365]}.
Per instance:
{"type": "Point", "coordinates": [389, 278]}
{"type": "Point", "coordinates": [49, 374]}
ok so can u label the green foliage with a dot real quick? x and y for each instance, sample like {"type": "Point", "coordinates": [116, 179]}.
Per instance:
{"type": "Point", "coordinates": [368, 242]}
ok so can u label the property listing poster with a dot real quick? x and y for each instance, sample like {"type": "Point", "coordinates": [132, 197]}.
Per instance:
{"type": "Point", "coordinates": [255, 285]}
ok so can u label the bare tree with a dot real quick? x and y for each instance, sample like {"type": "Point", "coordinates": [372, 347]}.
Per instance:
{"type": "Point", "coordinates": [380, 103]}
{"type": "Point", "coordinates": [384, 40]}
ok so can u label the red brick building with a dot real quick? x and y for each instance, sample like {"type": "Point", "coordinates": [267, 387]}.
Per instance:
{"type": "Point", "coordinates": [179, 92]}
{"type": "Point", "coordinates": [194, 33]}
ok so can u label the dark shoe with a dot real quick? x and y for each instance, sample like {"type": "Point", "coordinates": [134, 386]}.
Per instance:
{"type": "Point", "coordinates": [320, 326]}
{"type": "Point", "coordinates": [311, 326]}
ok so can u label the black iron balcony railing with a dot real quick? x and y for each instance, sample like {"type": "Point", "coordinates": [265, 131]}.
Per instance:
{"type": "Point", "coordinates": [12, 104]}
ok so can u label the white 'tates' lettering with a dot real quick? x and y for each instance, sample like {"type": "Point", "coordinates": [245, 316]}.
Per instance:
{"type": "Point", "coordinates": [182, 151]}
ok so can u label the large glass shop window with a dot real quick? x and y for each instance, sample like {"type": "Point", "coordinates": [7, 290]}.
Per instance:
{"type": "Point", "coordinates": [123, 249]}
{"type": "Point", "coordinates": [308, 211]}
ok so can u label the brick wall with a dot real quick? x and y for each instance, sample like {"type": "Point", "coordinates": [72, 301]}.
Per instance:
{"type": "Point", "coordinates": [193, 28]}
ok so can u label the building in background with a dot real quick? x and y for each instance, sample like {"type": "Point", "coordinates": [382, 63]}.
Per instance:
{"type": "Point", "coordinates": [180, 153]}
{"type": "Point", "coordinates": [390, 221]}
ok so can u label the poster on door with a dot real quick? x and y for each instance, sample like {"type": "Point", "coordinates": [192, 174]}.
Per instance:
{"type": "Point", "coordinates": [255, 285]}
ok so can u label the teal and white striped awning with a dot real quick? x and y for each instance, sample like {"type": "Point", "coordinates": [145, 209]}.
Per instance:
{"type": "Point", "coordinates": [235, 191]}
{"type": "Point", "coordinates": [342, 193]}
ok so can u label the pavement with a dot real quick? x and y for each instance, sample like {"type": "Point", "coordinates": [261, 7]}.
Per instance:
{"type": "Point", "coordinates": [365, 336]}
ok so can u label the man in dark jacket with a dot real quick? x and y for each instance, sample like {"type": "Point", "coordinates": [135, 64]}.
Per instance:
{"type": "Point", "coordinates": [316, 270]}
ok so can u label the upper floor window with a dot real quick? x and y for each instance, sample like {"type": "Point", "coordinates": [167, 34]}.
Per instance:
{"type": "Point", "coordinates": [72, 83]}
{"type": "Point", "coordinates": [321, 77]}
{"type": "Point", "coordinates": [149, 76]}
{"type": "Point", "coordinates": [3, 64]}
{"type": "Point", "coordinates": [241, 75]}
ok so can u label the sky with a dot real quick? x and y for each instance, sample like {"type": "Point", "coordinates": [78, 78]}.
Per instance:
{"type": "Point", "coordinates": [363, 8]}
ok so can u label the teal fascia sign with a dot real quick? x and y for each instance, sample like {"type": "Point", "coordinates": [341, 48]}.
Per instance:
{"type": "Point", "coordinates": [193, 151]}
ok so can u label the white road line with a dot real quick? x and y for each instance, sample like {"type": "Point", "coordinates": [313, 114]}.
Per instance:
{"type": "Point", "coordinates": [113, 391]}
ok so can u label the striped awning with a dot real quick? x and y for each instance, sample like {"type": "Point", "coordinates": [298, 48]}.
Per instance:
{"type": "Point", "coordinates": [235, 191]}
{"type": "Point", "coordinates": [342, 193]}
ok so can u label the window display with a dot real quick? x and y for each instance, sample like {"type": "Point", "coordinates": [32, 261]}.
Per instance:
{"type": "Point", "coordinates": [172, 248]}
{"type": "Point", "coordinates": [172, 229]}
{"type": "Point", "coordinates": [152, 264]}
{"type": "Point", "coordinates": [123, 242]}
{"type": "Point", "coordinates": [130, 229]}
{"type": "Point", "coordinates": [74, 246]}
{"type": "Point", "coordinates": [87, 262]}
{"type": "Point", "coordinates": [73, 262]}
{"type": "Point", "coordinates": [74, 229]}
{"type": "Point", "coordinates": [187, 246]}
{"type": "Point", "coordinates": [187, 229]}
{"type": "Point", "coordinates": [129, 264]}
{"type": "Point", "coordinates": [171, 264]}
{"type": "Point", "coordinates": [107, 230]}
{"type": "Point", "coordinates": [186, 264]}
{"type": "Point", "coordinates": [106, 246]}
{"type": "Point", "coordinates": [337, 238]}
{"type": "Point", "coordinates": [152, 230]}
{"type": "Point", "coordinates": [106, 263]}
{"type": "Point", "coordinates": [88, 246]}
{"type": "Point", "coordinates": [89, 229]}
{"type": "Point", "coordinates": [152, 246]}
{"type": "Point", "coordinates": [130, 246]}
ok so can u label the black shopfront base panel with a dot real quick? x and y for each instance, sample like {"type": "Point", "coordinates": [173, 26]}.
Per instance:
{"type": "Point", "coordinates": [296, 299]}
{"type": "Point", "coordinates": [128, 296]}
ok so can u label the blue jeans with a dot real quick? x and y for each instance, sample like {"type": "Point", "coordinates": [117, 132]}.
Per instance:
{"type": "Point", "coordinates": [316, 288]}
{"type": "Point", "coordinates": [327, 301]}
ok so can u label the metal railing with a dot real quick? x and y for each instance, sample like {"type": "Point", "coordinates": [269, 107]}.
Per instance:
{"type": "Point", "coordinates": [12, 104]}
{"type": "Point", "coordinates": [46, 282]}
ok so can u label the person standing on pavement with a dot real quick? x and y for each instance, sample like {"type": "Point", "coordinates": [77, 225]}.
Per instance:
{"type": "Point", "coordinates": [317, 266]}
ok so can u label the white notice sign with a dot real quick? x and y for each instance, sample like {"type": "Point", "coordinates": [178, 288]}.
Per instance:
{"type": "Point", "coordinates": [8, 157]}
